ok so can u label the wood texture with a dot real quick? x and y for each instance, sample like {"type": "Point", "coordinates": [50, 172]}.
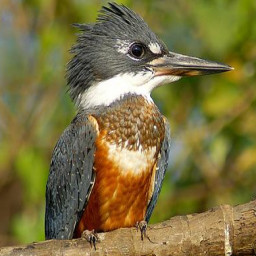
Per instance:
{"type": "Point", "coordinates": [224, 230]}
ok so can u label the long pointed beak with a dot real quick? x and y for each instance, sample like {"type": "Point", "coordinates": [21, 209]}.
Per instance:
{"type": "Point", "coordinates": [175, 64]}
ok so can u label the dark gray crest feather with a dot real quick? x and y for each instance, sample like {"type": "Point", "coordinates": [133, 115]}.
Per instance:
{"type": "Point", "coordinates": [83, 27]}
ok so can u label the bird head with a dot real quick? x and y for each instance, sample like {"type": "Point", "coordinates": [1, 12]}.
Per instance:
{"type": "Point", "coordinates": [120, 55]}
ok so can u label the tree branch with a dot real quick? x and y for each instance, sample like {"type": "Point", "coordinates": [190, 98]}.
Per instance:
{"type": "Point", "coordinates": [224, 230]}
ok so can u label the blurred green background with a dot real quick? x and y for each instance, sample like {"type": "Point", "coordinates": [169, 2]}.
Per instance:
{"type": "Point", "coordinates": [213, 118]}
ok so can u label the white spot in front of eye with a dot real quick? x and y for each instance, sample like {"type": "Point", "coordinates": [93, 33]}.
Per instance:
{"type": "Point", "coordinates": [155, 48]}
{"type": "Point", "coordinates": [122, 46]}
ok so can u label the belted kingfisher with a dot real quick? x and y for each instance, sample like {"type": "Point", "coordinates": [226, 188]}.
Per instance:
{"type": "Point", "coordinates": [108, 166]}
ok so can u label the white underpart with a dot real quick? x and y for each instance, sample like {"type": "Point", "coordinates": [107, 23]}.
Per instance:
{"type": "Point", "coordinates": [108, 91]}
{"type": "Point", "coordinates": [155, 48]}
{"type": "Point", "coordinates": [131, 161]}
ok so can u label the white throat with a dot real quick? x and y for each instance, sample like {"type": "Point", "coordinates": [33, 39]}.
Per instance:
{"type": "Point", "coordinates": [107, 91]}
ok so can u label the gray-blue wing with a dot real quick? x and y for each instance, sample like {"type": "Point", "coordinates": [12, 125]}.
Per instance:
{"type": "Point", "coordinates": [71, 178]}
{"type": "Point", "coordinates": [161, 168]}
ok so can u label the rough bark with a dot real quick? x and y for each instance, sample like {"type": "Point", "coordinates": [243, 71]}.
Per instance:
{"type": "Point", "coordinates": [224, 230]}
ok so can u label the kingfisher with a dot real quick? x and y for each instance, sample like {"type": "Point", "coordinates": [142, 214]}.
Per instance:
{"type": "Point", "coordinates": [108, 166]}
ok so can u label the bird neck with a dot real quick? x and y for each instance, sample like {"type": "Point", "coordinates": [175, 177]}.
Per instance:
{"type": "Point", "coordinates": [114, 89]}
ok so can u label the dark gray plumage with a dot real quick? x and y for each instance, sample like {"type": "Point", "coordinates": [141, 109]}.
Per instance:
{"type": "Point", "coordinates": [71, 178]}
{"type": "Point", "coordinates": [161, 168]}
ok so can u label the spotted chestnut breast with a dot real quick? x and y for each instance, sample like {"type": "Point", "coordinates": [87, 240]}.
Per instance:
{"type": "Point", "coordinates": [130, 136]}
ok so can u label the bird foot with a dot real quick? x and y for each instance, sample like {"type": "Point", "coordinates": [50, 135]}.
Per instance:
{"type": "Point", "coordinates": [142, 226]}
{"type": "Point", "coordinates": [91, 237]}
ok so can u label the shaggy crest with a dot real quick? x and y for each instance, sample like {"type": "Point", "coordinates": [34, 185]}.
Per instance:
{"type": "Point", "coordinates": [115, 27]}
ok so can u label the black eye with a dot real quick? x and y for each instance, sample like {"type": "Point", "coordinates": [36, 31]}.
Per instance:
{"type": "Point", "coordinates": [137, 51]}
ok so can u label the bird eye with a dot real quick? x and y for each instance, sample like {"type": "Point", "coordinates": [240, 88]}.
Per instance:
{"type": "Point", "coordinates": [137, 51]}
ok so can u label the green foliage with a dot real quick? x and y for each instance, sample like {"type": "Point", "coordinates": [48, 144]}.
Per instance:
{"type": "Point", "coordinates": [31, 169]}
{"type": "Point", "coordinates": [212, 118]}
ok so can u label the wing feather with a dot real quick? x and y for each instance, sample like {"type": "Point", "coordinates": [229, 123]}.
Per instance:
{"type": "Point", "coordinates": [71, 178]}
{"type": "Point", "coordinates": [161, 168]}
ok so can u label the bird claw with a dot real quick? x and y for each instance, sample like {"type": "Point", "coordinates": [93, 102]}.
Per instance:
{"type": "Point", "coordinates": [91, 237]}
{"type": "Point", "coordinates": [142, 226]}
